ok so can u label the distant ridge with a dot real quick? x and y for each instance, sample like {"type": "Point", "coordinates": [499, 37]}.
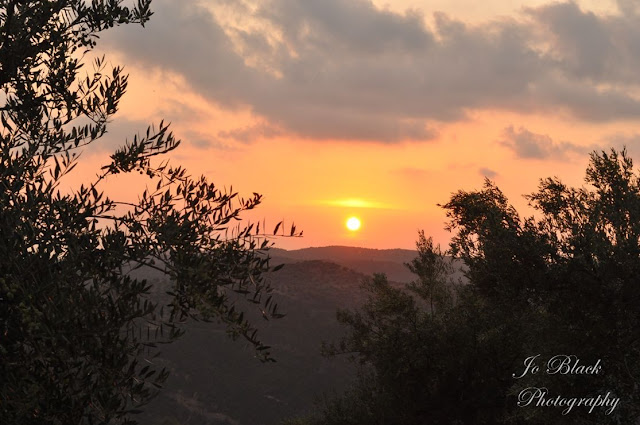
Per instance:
{"type": "Point", "coordinates": [363, 260]}
{"type": "Point", "coordinates": [349, 252]}
{"type": "Point", "coordinates": [214, 380]}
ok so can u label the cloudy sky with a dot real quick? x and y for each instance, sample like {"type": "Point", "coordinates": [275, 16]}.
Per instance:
{"type": "Point", "coordinates": [381, 109]}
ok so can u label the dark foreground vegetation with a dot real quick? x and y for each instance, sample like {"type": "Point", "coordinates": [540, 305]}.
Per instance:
{"type": "Point", "coordinates": [544, 331]}
{"type": "Point", "coordinates": [77, 332]}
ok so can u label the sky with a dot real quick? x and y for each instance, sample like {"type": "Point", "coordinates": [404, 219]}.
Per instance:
{"type": "Point", "coordinates": [378, 109]}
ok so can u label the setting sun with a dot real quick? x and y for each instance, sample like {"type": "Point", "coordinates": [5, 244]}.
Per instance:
{"type": "Point", "coordinates": [353, 224]}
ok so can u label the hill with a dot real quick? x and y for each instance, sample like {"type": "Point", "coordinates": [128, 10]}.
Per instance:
{"type": "Point", "coordinates": [363, 260]}
{"type": "Point", "coordinates": [216, 381]}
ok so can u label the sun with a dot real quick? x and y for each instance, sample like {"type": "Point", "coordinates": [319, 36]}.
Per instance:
{"type": "Point", "coordinates": [353, 223]}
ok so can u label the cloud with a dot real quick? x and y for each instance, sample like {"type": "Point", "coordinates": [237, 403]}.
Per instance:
{"type": "Point", "coordinates": [120, 131]}
{"type": "Point", "coordinates": [355, 203]}
{"type": "Point", "coordinates": [251, 133]}
{"type": "Point", "coordinates": [628, 7]}
{"type": "Point", "coordinates": [529, 145]}
{"type": "Point", "coordinates": [619, 141]}
{"type": "Point", "coordinates": [354, 26]}
{"type": "Point", "coordinates": [487, 172]}
{"type": "Point", "coordinates": [581, 41]}
{"type": "Point", "coordinates": [413, 174]}
{"type": "Point", "coordinates": [345, 69]}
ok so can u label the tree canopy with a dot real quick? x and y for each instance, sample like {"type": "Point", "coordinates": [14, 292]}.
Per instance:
{"type": "Point", "coordinates": [547, 317]}
{"type": "Point", "coordinates": [77, 332]}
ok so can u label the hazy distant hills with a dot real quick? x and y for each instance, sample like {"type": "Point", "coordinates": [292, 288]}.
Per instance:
{"type": "Point", "coordinates": [363, 260]}
{"type": "Point", "coordinates": [217, 381]}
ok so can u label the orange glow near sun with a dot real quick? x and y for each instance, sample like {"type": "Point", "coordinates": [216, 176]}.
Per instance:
{"type": "Point", "coordinates": [353, 224]}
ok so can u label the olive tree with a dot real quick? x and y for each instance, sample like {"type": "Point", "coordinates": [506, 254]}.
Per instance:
{"type": "Point", "coordinates": [563, 282]}
{"type": "Point", "coordinates": [77, 331]}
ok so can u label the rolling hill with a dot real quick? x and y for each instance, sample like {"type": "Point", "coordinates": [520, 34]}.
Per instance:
{"type": "Point", "coordinates": [217, 381]}
{"type": "Point", "coordinates": [363, 260]}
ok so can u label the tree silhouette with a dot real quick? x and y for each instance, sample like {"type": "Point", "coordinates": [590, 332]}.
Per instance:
{"type": "Point", "coordinates": [564, 283]}
{"type": "Point", "coordinates": [77, 332]}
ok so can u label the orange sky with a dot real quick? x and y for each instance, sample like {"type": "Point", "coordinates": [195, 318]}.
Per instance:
{"type": "Point", "coordinates": [317, 167]}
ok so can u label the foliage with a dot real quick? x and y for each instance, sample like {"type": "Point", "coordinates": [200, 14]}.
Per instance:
{"type": "Point", "coordinates": [433, 273]}
{"type": "Point", "coordinates": [573, 271]}
{"type": "Point", "coordinates": [564, 283]}
{"type": "Point", "coordinates": [398, 339]}
{"type": "Point", "coordinates": [77, 332]}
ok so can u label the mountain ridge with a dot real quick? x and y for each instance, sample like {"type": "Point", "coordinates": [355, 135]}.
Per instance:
{"type": "Point", "coordinates": [364, 260]}
{"type": "Point", "coordinates": [213, 379]}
